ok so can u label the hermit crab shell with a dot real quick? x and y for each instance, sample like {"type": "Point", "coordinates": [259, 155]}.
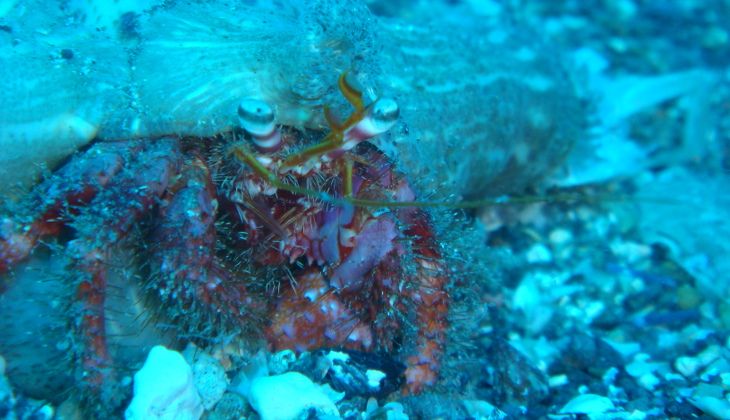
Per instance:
{"type": "Point", "coordinates": [58, 87]}
{"type": "Point", "coordinates": [489, 108]}
{"type": "Point", "coordinates": [484, 110]}
{"type": "Point", "coordinates": [74, 71]}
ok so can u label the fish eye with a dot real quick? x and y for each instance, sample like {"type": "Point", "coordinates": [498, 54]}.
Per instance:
{"type": "Point", "coordinates": [384, 113]}
{"type": "Point", "coordinates": [256, 116]}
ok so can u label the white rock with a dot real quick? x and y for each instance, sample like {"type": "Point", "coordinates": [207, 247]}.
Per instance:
{"type": "Point", "coordinates": [482, 410]}
{"type": "Point", "coordinates": [285, 397]}
{"type": "Point", "coordinates": [588, 404]}
{"type": "Point", "coordinates": [649, 381]}
{"type": "Point", "coordinates": [558, 380]}
{"type": "Point", "coordinates": [374, 378]}
{"type": "Point", "coordinates": [164, 389]}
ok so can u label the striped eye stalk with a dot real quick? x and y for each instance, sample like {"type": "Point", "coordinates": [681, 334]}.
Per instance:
{"type": "Point", "coordinates": [257, 118]}
{"type": "Point", "coordinates": [379, 118]}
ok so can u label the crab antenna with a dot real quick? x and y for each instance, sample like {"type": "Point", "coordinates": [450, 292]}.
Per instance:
{"type": "Point", "coordinates": [258, 119]}
{"type": "Point", "coordinates": [352, 94]}
{"type": "Point", "coordinates": [244, 156]}
{"type": "Point", "coordinates": [240, 151]}
{"type": "Point", "coordinates": [347, 176]}
{"type": "Point", "coordinates": [363, 124]}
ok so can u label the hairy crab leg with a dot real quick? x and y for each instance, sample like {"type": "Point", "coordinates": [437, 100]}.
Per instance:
{"type": "Point", "coordinates": [428, 295]}
{"type": "Point", "coordinates": [57, 199]}
{"type": "Point", "coordinates": [426, 292]}
{"type": "Point", "coordinates": [106, 220]}
{"type": "Point", "coordinates": [184, 254]}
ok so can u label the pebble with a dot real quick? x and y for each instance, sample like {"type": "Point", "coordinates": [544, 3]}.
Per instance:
{"type": "Point", "coordinates": [390, 411]}
{"type": "Point", "coordinates": [478, 409]}
{"type": "Point", "coordinates": [630, 251]}
{"type": "Point", "coordinates": [558, 380]}
{"type": "Point", "coordinates": [588, 404]}
{"type": "Point", "coordinates": [725, 378]}
{"type": "Point", "coordinates": [209, 376]}
{"type": "Point", "coordinates": [281, 362]}
{"type": "Point", "coordinates": [538, 254]}
{"type": "Point", "coordinates": [687, 366]}
{"type": "Point", "coordinates": [649, 381]}
{"type": "Point", "coordinates": [230, 406]}
{"type": "Point", "coordinates": [560, 237]}
{"type": "Point", "coordinates": [709, 355]}
{"type": "Point", "coordinates": [718, 408]}
{"type": "Point", "coordinates": [712, 400]}
{"type": "Point", "coordinates": [625, 349]}
{"type": "Point", "coordinates": [641, 365]}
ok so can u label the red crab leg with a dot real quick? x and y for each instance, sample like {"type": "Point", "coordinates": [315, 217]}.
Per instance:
{"type": "Point", "coordinates": [429, 296]}
{"type": "Point", "coordinates": [185, 242]}
{"type": "Point", "coordinates": [426, 293]}
{"type": "Point", "coordinates": [57, 198]}
{"type": "Point", "coordinates": [106, 220]}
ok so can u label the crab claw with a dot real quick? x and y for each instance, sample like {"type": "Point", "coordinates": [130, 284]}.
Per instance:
{"type": "Point", "coordinates": [258, 119]}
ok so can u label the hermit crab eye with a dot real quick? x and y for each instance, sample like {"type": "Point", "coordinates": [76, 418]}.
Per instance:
{"type": "Point", "coordinates": [256, 117]}
{"type": "Point", "coordinates": [384, 114]}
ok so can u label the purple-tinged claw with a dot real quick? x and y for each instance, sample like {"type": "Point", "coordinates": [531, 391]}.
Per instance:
{"type": "Point", "coordinates": [372, 244]}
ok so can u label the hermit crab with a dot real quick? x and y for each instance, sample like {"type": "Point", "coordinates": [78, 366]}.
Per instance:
{"type": "Point", "coordinates": [329, 212]}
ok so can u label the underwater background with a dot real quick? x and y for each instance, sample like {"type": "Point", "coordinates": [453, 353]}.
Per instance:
{"type": "Point", "coordinates": [515, 209]}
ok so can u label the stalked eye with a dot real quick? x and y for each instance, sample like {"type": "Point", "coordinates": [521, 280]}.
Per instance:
{"type": "Point", "coordinates": [384, 114]}
{"type": "Point", "coordinates": [256, 117]}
